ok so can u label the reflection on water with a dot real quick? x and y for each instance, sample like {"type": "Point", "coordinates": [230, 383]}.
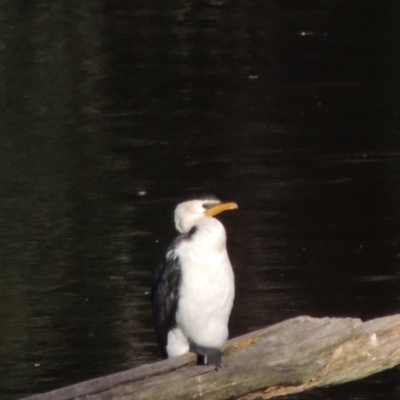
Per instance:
{"type": "Point", "coordinates": [114, 111]}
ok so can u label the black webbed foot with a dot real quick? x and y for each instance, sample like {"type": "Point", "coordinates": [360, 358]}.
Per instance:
{"type": "Point", "coordinates": [208, 356]}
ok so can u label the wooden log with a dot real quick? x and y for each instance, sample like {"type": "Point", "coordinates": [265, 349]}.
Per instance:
{"type": "Point", "coordinates": [288, 357]}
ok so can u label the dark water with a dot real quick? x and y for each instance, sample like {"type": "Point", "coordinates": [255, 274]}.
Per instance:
{"type": "Point", "coordinates": [113, 110]}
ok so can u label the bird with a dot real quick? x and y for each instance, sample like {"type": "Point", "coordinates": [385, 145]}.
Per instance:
{"type": "Point", "coordinates": [193, 288]}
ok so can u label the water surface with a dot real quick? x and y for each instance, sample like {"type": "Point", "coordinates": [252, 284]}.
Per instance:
{"type": "Point", "coordinates": [113, 111]}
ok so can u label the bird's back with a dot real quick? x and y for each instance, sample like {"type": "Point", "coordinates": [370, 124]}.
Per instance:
{"type": "Point", "coordinates": [165, 292]}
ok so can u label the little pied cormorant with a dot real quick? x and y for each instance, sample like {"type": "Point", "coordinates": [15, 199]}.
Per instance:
{"type": "Point", "coordinates": [193, 289]}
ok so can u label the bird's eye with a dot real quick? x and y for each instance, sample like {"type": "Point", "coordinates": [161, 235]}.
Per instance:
{"type": "Point", "coordinates": [206, 206]}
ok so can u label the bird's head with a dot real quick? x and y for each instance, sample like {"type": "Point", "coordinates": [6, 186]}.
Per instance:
{"type": "Point", "coordinates": [189, 213]}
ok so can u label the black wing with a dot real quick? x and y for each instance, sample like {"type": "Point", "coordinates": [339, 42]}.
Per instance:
{"type": "Point", "coordinates": [165, 293]}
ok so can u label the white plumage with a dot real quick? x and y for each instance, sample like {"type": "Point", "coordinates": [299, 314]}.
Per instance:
{"type": "Point", "coordinates": [194, 287]}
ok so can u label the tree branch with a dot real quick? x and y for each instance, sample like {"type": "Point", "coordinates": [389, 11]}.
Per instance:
{"type": "Point", "coordinates": [289, 357]}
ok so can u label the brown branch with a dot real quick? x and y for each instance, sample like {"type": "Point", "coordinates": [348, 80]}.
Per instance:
{"type": "Point", "coordinates": [289, 357]}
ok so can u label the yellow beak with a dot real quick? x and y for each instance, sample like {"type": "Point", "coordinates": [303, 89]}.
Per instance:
{"type": "Point", "coordinates": [220, 208]}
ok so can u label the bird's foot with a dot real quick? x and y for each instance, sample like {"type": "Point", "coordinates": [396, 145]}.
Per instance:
{"type": "Point", "coordinates": [208, 356]}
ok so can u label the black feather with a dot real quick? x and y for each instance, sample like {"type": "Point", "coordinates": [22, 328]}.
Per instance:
{"type": "Point", "coordinates": [165, 291]}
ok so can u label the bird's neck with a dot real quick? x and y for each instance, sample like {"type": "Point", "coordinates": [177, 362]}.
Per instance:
{"type": "Point", "coordinates": [210, 232]}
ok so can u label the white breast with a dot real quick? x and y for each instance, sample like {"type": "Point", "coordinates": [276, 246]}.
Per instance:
{"type": "Point", "coordinates": [207, 289]}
